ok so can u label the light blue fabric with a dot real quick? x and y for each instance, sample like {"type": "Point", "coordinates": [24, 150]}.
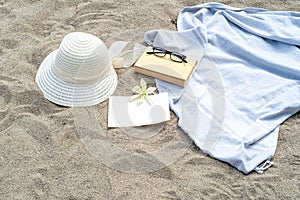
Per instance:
{"type": "Point", "coordinates": [246, 85]}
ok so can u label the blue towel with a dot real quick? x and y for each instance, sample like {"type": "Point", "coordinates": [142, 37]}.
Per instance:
{"type": "Point", "coordinates": [245, 86]}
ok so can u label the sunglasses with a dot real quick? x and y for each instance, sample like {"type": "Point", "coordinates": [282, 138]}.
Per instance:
{"type": "Point", "coordinates": [174, 56]}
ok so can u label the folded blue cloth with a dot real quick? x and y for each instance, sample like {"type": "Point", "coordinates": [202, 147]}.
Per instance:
{"type": "Point", "coordinates": [246, 85]}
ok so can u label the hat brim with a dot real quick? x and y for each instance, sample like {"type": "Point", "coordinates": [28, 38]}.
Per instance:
{"type": "Point", "coordinates": [73, 94]}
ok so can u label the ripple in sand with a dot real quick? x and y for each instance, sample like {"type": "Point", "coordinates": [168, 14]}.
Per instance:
{"type": "Point", "coordinates": [2, 104]}
{"type": "Point", "coordinates": [5, 95]}
{"type": "Point", "coordinates": [96, 16]}
{"type": "Point", "coordinates": [97, 19]}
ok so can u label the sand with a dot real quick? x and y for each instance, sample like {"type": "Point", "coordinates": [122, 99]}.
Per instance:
{"type": "Point", "coordinates": [44, 153]}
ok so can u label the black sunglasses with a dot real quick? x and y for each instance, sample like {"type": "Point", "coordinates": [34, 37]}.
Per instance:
{"type": "Point", "coordinates": [174, 56]}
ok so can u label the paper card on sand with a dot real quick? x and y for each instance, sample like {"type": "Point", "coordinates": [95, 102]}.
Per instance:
{"type": "Point", "coordinates": [123, 113]}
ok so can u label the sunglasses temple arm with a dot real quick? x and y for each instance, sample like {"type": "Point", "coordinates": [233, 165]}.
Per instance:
{"type": "Point", "coordinates": [150, 52]}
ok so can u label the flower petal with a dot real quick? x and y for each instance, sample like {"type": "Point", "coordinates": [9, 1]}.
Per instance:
{"type": "Point", "coordinates": [134, 97]}
{"type": "Point", "coordinates": [143, 85]}
{"type": "Point", "coordinates": [151, 90]}
{"type": "Point", "coordinates": [136, 89]}
{"type": "Point", "coordinates": [140, 100]}
{"type": "Point", "coordinates": [148, 99]}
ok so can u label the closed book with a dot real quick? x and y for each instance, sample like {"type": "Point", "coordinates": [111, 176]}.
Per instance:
{"type": "Point", "coordinates": [164, 68]}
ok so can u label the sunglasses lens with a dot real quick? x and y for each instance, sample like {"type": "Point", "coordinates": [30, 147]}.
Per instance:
{"type": "Point", "coordinates": [159, 52]}
{"type": "Point", "coordinates": [177, 57]}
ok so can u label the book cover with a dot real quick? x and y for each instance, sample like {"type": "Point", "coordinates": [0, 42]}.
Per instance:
{"type": "Point", "coordinates": [164, 68]}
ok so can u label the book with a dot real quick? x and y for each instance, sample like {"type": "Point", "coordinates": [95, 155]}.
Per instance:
{"type": "Point", "coordinates": [164, 68]}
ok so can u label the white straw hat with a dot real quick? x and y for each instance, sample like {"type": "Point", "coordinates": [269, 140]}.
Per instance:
{"type": "Point", "coordinates": [79, 73]}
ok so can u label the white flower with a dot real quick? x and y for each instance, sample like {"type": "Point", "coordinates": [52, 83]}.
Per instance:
{"type": "Point", "coordinates": [142, 93]}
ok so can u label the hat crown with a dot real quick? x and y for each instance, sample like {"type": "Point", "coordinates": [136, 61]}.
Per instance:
{"type": "Point", "coordinates": [82, 57]}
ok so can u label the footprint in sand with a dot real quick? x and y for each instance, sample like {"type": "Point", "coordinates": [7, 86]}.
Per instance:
{"type": "Point", "coordinates": [8, 43]}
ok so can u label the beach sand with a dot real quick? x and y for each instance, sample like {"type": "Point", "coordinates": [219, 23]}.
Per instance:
{"type": "Point", "coordinates": [44, 153]}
